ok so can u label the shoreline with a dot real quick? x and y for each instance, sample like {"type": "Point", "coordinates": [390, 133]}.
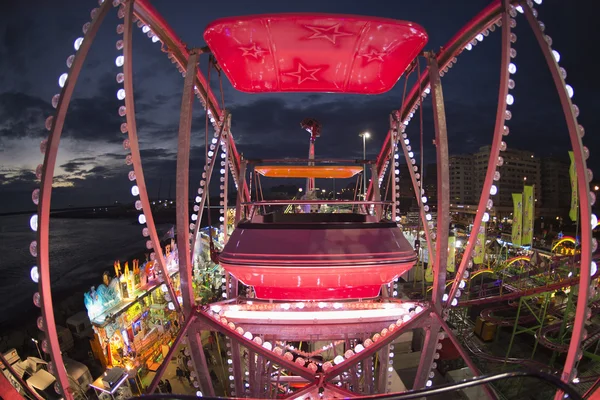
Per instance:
{"type": "Point", "coordinates": [67, 302]}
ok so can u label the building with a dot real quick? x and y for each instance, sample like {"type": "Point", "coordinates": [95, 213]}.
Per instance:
{"type": "Point", "coordinates": [461, 180]}
{"type": "Point", "coordinates": [556, 184]}
{"type": "Point", "coordinates": [519, 168]}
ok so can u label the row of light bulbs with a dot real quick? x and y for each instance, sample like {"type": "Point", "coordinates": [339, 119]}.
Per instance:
{"type": "Point", "coordinates": [35, 196]}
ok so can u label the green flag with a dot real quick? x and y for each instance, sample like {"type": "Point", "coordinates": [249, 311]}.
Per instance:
{"type": "Point", "coordinates": [517, 224]}
{"type": "Point", "coordinates": [528, 215]}
{"type": "Point", "coordinates": [573, 175]}
{"type": "Point", "coordinates": [451, 254]}
{"type": "Point", "coordinates": [480, 245]}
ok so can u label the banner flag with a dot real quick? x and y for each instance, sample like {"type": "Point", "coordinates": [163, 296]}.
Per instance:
{"type": "Point", "coordinates": [479, 257]}
{"type": "Point", "coordinates": [574, 199]}
{"type": "Point", "coordinates": [528, 214]}
{"type": "Point", "coordinates": [517, 224]}
{"type": "Point", "coordinates": [451, 254]}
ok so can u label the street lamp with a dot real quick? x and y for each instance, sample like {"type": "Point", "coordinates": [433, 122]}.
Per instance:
{"type": "Point", "coordinates": [365, 136]}
{"type": "Point", "coordinates": [37, 347]}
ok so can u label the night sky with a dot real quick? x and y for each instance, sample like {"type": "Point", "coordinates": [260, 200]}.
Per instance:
{"type": "Point", "coordinates": [36, 37]}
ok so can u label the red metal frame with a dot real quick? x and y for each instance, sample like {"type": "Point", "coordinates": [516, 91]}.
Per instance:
{"type": "Point", "coordinates": [43, 236]}
{"type": "Point", "coordinates": [451, 49]}
{"type": "Point", "coordinates": [584, 201]}
{"type": "Point", "coordinates": [135, 151]}
{"type": "Point", "coordinates": [443, 221]}
{"type": "Point", "coordinates": [494, 151]}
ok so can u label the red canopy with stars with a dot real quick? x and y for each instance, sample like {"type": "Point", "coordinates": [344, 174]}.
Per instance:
{"type": "Point", "coordinates": [314, 52]}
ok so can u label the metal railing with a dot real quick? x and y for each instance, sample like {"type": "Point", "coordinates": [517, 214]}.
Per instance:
{"type": "Point", "coordinates": [439, 390]}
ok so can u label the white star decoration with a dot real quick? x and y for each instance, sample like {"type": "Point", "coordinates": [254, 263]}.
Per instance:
{"type": "Point", "coordinates": [252, 51]}
{"type": "Point", "coordinates": [330, 33]}
{"type": "Point", "coordinates": [304, 74]}
{"type": "Point", "coordinates": [373, 55]}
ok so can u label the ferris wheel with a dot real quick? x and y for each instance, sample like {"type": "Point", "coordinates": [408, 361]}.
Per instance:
{"type": "Point", "coordinates": [222, 153]}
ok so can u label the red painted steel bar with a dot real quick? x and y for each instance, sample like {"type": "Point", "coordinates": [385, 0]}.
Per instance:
{"type": "Point", "coordinates": [182, 218]}
{"type": "Point", "coordinates": [165, 362]}
{"type": "Point", "coordinates": [443, 184]}
{"type": "Point", "coordinates": [584, 201]}
{"type": "Point", "coordinates": [7, 389]}
{"type": "Point", "coordinates": [305, 391]}
{"type": "Point", "coordinates": [144, 10]}
{"type": "Point", "coordinates": [286, 202]}
{"type": "Point", "coordinates": [443, 221]}
{"type": "Point", "coordinates": [182, 186]}
{"type": "Point", "coordinates": [148, 14]}
{"type": "Point", "coordinates": [392, 168]}
{"type": "Point", "coordinates": [43, 233]}
{"type": "Point", "coordinates": [343, 393]}
{"type": "Point", "coordinates": [524, 293]}
{"type": "Point", "coordinates": [135, 150]}
{"type": "Point", "coordinates": [225, 193]}
{"type": "Point", "coordinates": [451, 49]}
{"type": "Point", "coordinates": [464, 355]}
{"type": "Point", "coordinates": [415, 322]}
{"type": "Point", "coordinates": [417, 189]}
{"type": "Point", "coordinates": [209, 171]}
{"type": "Point", "coordinates": [233, 335]}
{"type": "Point", "coordinates": [494, 152]}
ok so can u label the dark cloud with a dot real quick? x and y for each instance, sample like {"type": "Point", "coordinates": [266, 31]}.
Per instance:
{"type": "Point", "coordinates": [22, 115]}
{"type": "Point", "coordinates": [73, 166]}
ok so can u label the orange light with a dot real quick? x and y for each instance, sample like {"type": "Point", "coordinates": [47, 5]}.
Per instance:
{"type": "Point", "coordinates": [308, 171]}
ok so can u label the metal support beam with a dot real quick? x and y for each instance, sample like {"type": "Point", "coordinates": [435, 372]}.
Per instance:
{"type": "Point", "coordinates": [6, 387]}
{"type": "Point", "coordinates": [165, 363]}
{"type": "Point", "coordinates": [443, 221]}
{"type": "Point", "coordinates": [375, 347]}
{"type": "Point", "coordinates": [443, 184]}
{"type": "Point", "coordinates": [416, 187]}
{"type": "Point", "coordinates": [233, 335]}
{"type": "Point", "coordinates": [182, 186]}
{"type": "Point", "coordinates": [393, 135]}
{"type": "Point", "coordinates": [464, 355]}
{"type": "Point", "coordinates": [252, 372]}
{"type": "Point", "coordinates": [238, 378]}
{"type": "Point", "coordinates": [239, 209]}
{"type": "Point", "coordinates": [384, 358]}
{"type": "Point", "coordinates": [208, 170]}
{"type": "Point", "coordinates": [494, 150]}
{"type": "Point", "coordinates": [199, 360]}
{"type": "Point", "coordinates": [377, 193]}
{"type": "Point", "coordinates": [135, 151]}
{"type": "Point", "coordinates": [225, 192]}
{"type": "Point", "coordinates": [585, 211]}
{"type": "Point", "coordinates": [43, 231]}
{"type": "Point", "coordinates": [427, 352]}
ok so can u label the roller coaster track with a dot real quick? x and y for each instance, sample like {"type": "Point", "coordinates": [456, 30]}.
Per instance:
{"type": "Point", "coordinates": [515, 292]}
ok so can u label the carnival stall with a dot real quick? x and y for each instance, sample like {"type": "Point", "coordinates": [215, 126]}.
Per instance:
{"type": "Point", "coordinates": [133, 316]}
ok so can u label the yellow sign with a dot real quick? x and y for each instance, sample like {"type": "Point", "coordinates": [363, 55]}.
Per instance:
{"type": "Point", "coordinates": [528, 215]}
{"type": "Point", "coordinates": [451, 253]}
{"type": "Point", "coordinates": [517, 225]}
{"type": "Point", "coordinates": [133, 312]}
{"type": "Point", "coordinates": [574, 199]}
{"type": "Point", "coordinates": [480, 245]}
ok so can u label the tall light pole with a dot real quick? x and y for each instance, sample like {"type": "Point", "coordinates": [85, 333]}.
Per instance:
{"type": "Point", "coordinates": [313, 127]}
{"type": "Point", "coordinates": [365, 136]}
{"type": "Point", "coordinates": [37, 347]}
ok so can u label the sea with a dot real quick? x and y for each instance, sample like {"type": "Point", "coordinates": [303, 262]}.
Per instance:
{"type": "Point", "coordinates": [80, 251]}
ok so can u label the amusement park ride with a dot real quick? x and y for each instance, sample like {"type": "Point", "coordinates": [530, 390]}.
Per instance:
{"type": "Point", "coordinates": [325, 279]}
